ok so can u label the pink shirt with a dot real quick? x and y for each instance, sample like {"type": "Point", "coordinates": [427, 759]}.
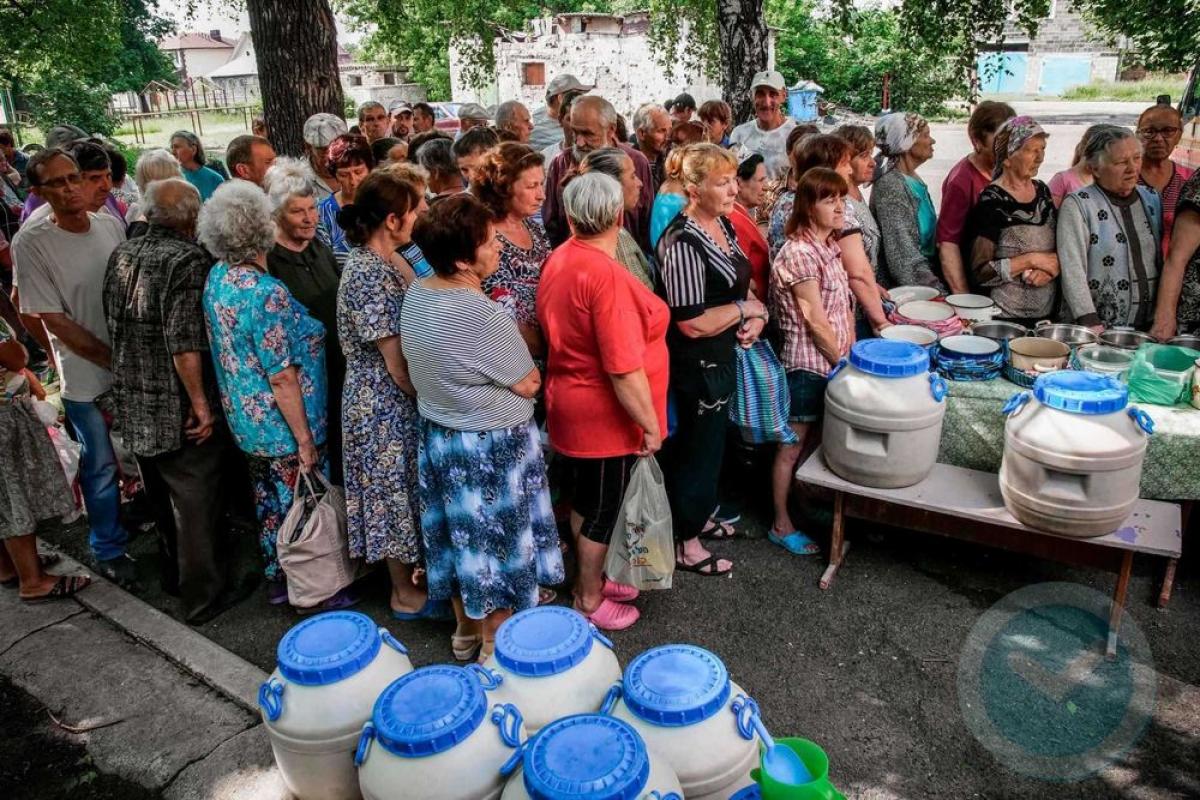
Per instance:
{"type": "Point", "coordinates": [802, 258]}
{"type": "Point", "coordinates": [960, 192]}
{"type": "Point", "coordinates": [1063, 183]}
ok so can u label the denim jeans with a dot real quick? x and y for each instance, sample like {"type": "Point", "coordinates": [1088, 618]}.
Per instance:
{"type": "Point", "coordinates": [98, 480]}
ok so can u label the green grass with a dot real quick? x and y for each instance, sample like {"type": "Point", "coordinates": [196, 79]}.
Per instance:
{"type": "Point", "coordinates": [1145, 90]}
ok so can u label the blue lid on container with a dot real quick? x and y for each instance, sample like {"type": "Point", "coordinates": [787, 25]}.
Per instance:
{"type": "Point", "coordinates": [889, 358]}
{"type": "Point", "coordinates": [328, 648]}
{"type": "Point", "coordinates": [429, 711]}
{"type": "Point", "coordinates": [675, 685]}
{"type": "Point", "coordinates": [1081, 392]}
{"type": "Point", "coordinates": [751, 792]}
{"type": "Point", "coordinates": [543, 641]}
{"type": "Point", "coordinates": [586, 755]}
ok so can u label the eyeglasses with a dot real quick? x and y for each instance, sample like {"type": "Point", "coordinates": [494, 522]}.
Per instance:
{"type": "Point", "coordinates": [1154, 133]}
{"type": "Point", "coordinates": [74, 179]}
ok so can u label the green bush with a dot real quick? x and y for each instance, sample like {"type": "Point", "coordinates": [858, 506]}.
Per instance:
{"type": "Point", "coordinates": [56, 99]}
{"type": "Point", "coordinates": [1146, 90]}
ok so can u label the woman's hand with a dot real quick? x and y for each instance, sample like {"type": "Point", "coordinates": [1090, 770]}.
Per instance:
{"type": "Point", "coordinates": [1164, 329]}
{"type": "Point", "coordinates": [1096, 329]}
{"type": "Point", "coordinates": [1037, 277]}
{"type": "Point", "coordinates": [308, 456]}
{"type": "Point", "coordinates": [748, 334]}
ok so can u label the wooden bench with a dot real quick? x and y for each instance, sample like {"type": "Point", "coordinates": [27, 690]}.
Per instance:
{"type": "Point", "coordinates": [966, 504]}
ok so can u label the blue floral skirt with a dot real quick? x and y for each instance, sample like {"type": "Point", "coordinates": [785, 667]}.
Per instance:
{"type": "Point", "coordinates": [486, 517]}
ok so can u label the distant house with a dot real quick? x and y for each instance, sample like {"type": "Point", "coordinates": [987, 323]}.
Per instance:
{"type": "Point", "coordinates": [1064, 53]}
{"type": "Point", "coordinates": [197, 54]}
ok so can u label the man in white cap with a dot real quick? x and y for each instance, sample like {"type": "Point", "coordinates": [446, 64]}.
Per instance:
{"type": "Point", "coordinates": [547, 129]}
{"type": "Point", "coordinates": [402, 114]}
{"type": "Point", "coordinates": [472, 115]}
{"type": "Point", "coordinates": [767, 133]}
{"type": "Point", "coordinates": [319, 132]}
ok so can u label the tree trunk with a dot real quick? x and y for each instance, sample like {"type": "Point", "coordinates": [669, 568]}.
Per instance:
{"type": "Point", "coordinates": [742, 31]}
{"type": "Point", "coordinates": [295, 42]}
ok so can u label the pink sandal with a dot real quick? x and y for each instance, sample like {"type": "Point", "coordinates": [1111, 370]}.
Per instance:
{"type": "Point", "coordinates": [619, 592]}
{"type": "Point", "coordinates": [612, 616]}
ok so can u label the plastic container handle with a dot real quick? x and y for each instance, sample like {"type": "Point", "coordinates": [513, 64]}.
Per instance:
{"type": "Point", "coordinates": [270, 697]}
{"type": "Point", "coordinates": [1015, 402]}
{"type": "Point", "coordinates": [364, 744]}
{"type": "Point", "coordinates": [937, 387]}
{"type": "Point", "coordinates": [600, 637]}
{"type": "Point", "coordinates": [1142, 419]}
{"type": "Point", "coordinates": [487, 678]}
{"type": "Point", "coordinates": [836, 369]}
{"type": "Point", "coordinates": [655, 795]}
{"type": "Point", "coordinates": [386, 637]}
{"type": "Point", "coordinates": [610, 698]}
{"type": "Point", "coordinates": [746, 713]}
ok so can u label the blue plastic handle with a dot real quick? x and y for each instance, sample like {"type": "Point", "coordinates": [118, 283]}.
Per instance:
{"type": "Point", "coordinates": [364, 744]}
{"type": "Point", "coordinates": [841, 365]}
{"type": "Point", "coordinates": [270, 697]}
{"type": "Point", "coordinates": [937, 387]}
{"type": "Point", "coordinates": [655, 795]}
{"type": "Point", "coordinates": [508, 719]}
{"type": "Point", "coordinates": [600, 637]}
{"type": "Point", "coordinates": [490, 680]}
{"type": "Point", "coordinates": [610, 698]}
{"type": "Point", "coordinates": [1016, 401]}
{"type": "Point", "coordinates": [746, 712]}
{"type": "Point", "coordinates": [1142, 419]}
{"type": "Point", "coordinates": [391, 641]}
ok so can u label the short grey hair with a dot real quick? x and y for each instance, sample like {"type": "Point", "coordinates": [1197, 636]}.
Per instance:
{"type": "Point", "coordinates": [171, 202]}
{"type": "Point", "coordinates": [436, 157]}
{"type": "Point", "coordinates": [609, 161]}
{"type": "Point", "coordinates": [287, 178]}
{"type": "Point", "coordinates": [1100, 140]}
{"type": "Point", "coordinates": [608, 114]}
{"type": "Point", "coordinates": [155, 165]}
{"type": "Point", "coordinates": [235, 224]}
{"type": "Point", "coordinates": [594, 202]}
{"type": "Point", "coordinates": [369, 104]}
{"type": "Point", "coordinates": [506, 112]}
{"type": "Point", "coordinates": [643, 118]}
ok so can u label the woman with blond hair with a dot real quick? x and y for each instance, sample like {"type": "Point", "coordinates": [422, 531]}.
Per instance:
{"type": "Point", "coordinates": [707, 277]}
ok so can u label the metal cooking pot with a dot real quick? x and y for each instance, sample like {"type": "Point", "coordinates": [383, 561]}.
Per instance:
{"type": "Point", "coordinates": [1125, 339]}
{"type": "Point", "coordinates": [1038, 353]}
{"type": "Point", "coordinates": [1103, 358]}
{"type": "Point", "coordinates": [998, 330]}
{"type": "Point", "coordinates": [1187, 340]}
{"type": "Point", "coordinates": [1071, 335]}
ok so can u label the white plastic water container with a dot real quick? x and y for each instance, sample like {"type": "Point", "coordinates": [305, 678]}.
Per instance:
{"type": "Point", "coordinates": [550, 662]}
{"type": "Point", "coordinates": [331, 667]}
{"type": "Point", "coordinates": [1073, 453]}
{"type": "Point", "coordinates": [883, 415]}
{"type": "Point", "coordinates": [591, 756]}
{"type": "Point", "coordinates": [680, 699]}
{"type": "Point", "coordinates": [434, 734]}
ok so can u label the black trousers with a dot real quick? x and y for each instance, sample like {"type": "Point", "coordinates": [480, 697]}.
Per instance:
{"type": "Point", "coordinates": [184, 487]}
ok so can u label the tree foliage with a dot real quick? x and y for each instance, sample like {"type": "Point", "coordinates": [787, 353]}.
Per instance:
{"type": "Point", "coordinates": [1164, 34]}
{"type": "Point", "coordinates": [56, 98]}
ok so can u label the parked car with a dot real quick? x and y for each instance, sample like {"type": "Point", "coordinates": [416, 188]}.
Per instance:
{"type": "Point", "coordinates": [445, 116]}
{"type": "Point", "coordinates": [1188, 151]}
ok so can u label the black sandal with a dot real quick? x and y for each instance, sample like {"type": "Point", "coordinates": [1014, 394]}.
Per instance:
{"type": "Point", "coordinates": [707, 567]}
{"type": "Point", "coordinates": [66, 586]}
{"type": "Point", "coordinates": [719, 531]}
{"type": "Point", "coordinates": [47, 560]}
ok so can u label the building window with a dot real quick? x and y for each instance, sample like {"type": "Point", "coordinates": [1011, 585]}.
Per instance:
{"type": "Point", "coordinates": [354, 80]}
{"type": "Point", "coordinates": [533, 73]}
{"type": "Point", "coordinates": [389, 78]}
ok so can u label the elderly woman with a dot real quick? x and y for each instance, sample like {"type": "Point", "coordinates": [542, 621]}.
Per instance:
{"type": "Point", "coordinates": [1108, 235]}
{"type": "Point", "coordinates": [350, 161]}
{"type": "Point", "coordinates": [1010, 231]}
{"type": "Point", "coordinates": [707, 280]}
{"type": "Point", "coordinates": [309, 271]}
{"type": "Point", "coordinates": [269, 356]}
{"type": "Point", "coordinates": [32, 486]}
{"type": "Point", "coordinates": [486, 518]}
{"type": "Point", "coordinates": [900, 202]}
{"type": "Point", "coordinates": [436, 157]}
{"type": "Point", "coordinates": [1178, 308]}
{"type": "Point", "coordinates": [814, 310]}
{"type": "Point", "coordinates": [606, 381]}
{"type": "Point", "coordinates": [752, 182]}
{"type": "Point", "coordinates": [718, 118]}
{"type": "Point", "coordinates": [512, 185]}
{"type": "Point", "coordinates": [188, 151]}
{"type": "Point", "coordinates": [616, 163]}
{"type": "Point", "coordinates": [379, 418]}
{"type": "Point", "coordinates": [152, 165]}
{"type": "Point", "coordinates": [1160, 128]}
{"type": "Point", "coordinates": [1074, 177]}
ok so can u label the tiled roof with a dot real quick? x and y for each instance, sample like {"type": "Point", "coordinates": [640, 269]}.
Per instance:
{"type": "Point", "coordinates": [196, 41]}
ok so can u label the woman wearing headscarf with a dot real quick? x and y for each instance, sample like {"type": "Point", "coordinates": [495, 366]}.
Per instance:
{"type": "Point", "coordinates": [1010, 231]}
{"type": "Point", "coordinates": [901, 204]}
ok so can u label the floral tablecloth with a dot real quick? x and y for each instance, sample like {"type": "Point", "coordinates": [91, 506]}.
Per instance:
{"type": "Point", "coordinates": [973, 437]}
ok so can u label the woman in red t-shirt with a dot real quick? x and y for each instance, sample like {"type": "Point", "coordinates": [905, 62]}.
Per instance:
{"type": "Point", "coordinates": [606, 381]}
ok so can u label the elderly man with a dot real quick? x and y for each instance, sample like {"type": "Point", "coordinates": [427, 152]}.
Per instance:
{"type": "Point", "coordinates": [594, 125]}
{"type": "Point", "coordinates": [319, 132]}
{"type": "Point", "coordinates": [652, 130]}
{"type": "Point", "coordinates": [513, 117]}
{"type": "Point", "coordinates": [1160, 127]}
{"type": "Point", "coordinates": [373, 120]}
{"type": "Point", "coordinates": [767, 133]}
{"type": "Point", "coordinates": [167, 407]}
{"type": "Point", "coordinates": [471, 115]}
{"type": "Point", "coordinates": [59, 264]}
{"type": "Point", "coordinates": [547, 128]}
{"type": "Point", "coordinates": [249, 158]}
{"type": "Point", "coordinates": [423, 119]}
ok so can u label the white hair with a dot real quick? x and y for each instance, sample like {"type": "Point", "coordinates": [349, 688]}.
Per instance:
{"type": "Point", "coordinates": [1100, 140]}
{"type": "Point", "coordinates": [171, 202]}
{"type": "Point", "coordinates": [593, 202]}
{"type": "Point", "coordinates": [506, 112]}
{"type": "Point", "coordinates": [287, 178]}
{"type": "Point", "coordinates": [643, 118]}
{"type": "Point", "coordinates": [608, 114]}
{"type": "Point", "coordinates": [154, 165]}
{"type": "Point", "coordinates": [235, 224]}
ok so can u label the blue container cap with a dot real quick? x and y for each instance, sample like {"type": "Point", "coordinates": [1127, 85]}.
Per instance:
{"type": "Point", "coordinates": [1081, 392]}
{"type": "Point", "coordinates": [751, 792]}
{"type": "Point", "coordinates": [543, 641]}
{"type": "Point", "coordinates": [428, 711]}
{"type": "Point", "coordinates": [586, 755]}
{"type": "Point", "coordinates": [889, 358]}
{"type": "Point", "coordinates": [328, 647]}
{"type": "Point", "coordinates": [676, 685]}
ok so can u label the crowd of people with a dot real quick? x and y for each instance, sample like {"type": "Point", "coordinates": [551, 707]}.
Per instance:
{"type": "Point", "coordinates": [479, 335]}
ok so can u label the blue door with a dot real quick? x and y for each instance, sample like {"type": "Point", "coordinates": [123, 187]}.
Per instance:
{"type": "Point", "coordinates": [1060, 73]}
{"type": "Point", "coordinates": [1002, 73]}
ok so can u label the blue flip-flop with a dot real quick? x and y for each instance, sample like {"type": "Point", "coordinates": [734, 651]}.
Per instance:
{"type": "Point", "coordinates": [433, 609]}
{"type": "Point", "coordinates": [795, 543]}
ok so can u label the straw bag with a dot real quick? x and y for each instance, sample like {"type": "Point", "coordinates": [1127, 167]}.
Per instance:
{"type": "Point", "coordinates": [312, 545]}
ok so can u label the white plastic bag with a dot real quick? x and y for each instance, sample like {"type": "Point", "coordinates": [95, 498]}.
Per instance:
{"type": "Point", "coordinates": [312, 545]}
{"type": "Point", "coordinates": [642, 550]}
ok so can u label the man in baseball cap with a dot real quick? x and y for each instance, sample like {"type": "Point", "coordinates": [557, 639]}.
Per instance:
{"type": "Point", "coordinates": [402, 114]}
{"type": "Point", "coordinates": [767, 133]}
{"type": "Point", "coordinates": [472, 115]}
{"type": "Point", "coordinates": [682, 108]}
{"type": "Point", "coordinates": [547, 130]}
{"type": "Point", "coordinates": [319, 132]}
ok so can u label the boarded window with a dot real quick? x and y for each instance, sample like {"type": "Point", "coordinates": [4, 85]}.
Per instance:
{"type": "Point", "coordinates": [354, 80]}
{"type": "Point", "coordinates": [533, 73]}
{"type": "Point", "coordinates": [389, 78]}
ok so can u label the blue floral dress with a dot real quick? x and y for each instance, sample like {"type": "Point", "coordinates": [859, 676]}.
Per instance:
{"type": "Point", "coordinates": [379, 421]}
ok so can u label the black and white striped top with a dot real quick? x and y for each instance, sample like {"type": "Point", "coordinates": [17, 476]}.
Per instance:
{"type": "Point", "coordinates": [463, 353]}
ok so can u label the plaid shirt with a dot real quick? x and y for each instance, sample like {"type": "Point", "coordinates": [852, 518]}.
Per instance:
{"type": "Point", "coordinates": [152, 291]}
{"type": "Point", "coordinates": [803, 258]}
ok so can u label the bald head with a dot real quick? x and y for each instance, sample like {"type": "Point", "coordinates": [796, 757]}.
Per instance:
{"type": "Point", "coordinates": [173, 203]}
